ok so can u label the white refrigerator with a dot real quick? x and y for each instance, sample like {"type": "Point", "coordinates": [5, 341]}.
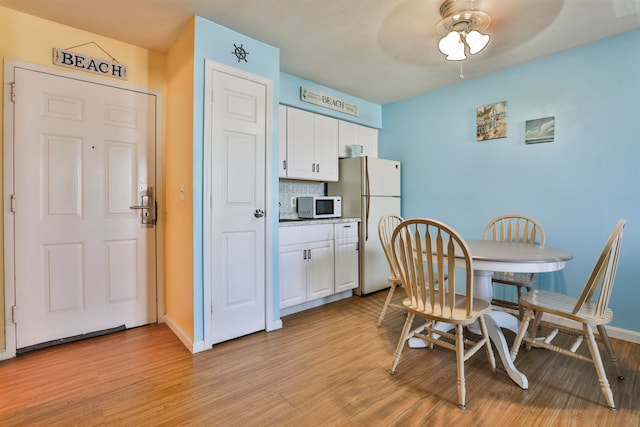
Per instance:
{"type": "Point", "coordinates": [370, 188]}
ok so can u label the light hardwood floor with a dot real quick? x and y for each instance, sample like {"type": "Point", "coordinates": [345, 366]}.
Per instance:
{"type": "Point", "coordinates": [326, 367]}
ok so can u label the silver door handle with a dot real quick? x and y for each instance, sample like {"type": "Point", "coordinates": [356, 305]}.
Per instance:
{"type": "Point", "coordinates": [259, 213]}
{"type": "Point", "coordinates": [147, 208]}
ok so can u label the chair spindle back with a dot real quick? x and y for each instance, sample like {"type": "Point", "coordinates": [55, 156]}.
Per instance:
{"type": "Point", "coordinates": [603, 275]}
{"type": "Point", "coordinates": [421, 249]}
{"type": "Point", "coordinates": [386, 225]}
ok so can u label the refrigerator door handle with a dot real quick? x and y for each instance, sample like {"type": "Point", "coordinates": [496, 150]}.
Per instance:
{"type": "Point", "coordinates": [368, 198]}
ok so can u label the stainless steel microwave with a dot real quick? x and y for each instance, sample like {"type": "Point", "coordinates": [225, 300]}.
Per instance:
{"type": "Point", "coordinates": [318, 207]}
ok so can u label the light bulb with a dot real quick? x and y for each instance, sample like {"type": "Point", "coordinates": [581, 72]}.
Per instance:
{"type": "Point", "coordinates": [476, 41]}
{"type": "Point", "coordinates": [449, 44]}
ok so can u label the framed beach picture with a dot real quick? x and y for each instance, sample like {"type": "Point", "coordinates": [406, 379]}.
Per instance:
{"type": "Point", "coordinates": [539, 130]}
{"type": "Point", "coordinates": [491, 121]}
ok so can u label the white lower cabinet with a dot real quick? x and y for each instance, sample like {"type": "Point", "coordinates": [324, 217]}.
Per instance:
{"type": "Point", "coordinates": [346, 256]}
{"type": "Point", "coordinates": [320, 262]}
{"type": "Point", "coordinates": [317, 261]}
{"type": "Point", "coordinates": [306, 263]}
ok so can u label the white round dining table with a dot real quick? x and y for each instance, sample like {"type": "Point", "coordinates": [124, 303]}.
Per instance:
{"type": "Point", "coordinates": [489, 256]}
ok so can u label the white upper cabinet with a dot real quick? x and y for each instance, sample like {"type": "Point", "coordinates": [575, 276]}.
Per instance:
{"type": "Point", "coordinates": [282, 141]}
{"type": "Point", "coordinates": [353, 134]}
{"type": "Point", "coordinates": [312, 146]}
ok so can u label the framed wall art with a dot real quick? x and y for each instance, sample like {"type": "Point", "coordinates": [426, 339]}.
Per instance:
{"type": "Point", "coordinates": [491, 121]}
{"type": "Point", "coordinates": [539, 130]}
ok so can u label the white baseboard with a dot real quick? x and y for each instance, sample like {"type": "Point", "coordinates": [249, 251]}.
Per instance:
{"type": "Point", "coordinates": [274, 325]}
{"type": "Point", "coordinates": [193, 347]}
{"type": "Point", "coordinates": [315, 303]}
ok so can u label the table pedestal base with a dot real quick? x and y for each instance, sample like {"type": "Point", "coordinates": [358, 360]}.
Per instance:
{"type": "Point", "coordinates": [494, 321]}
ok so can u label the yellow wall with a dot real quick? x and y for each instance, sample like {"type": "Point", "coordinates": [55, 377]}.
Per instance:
{"type": "Point", "coordinates": [30, 39]}
{"type": "Point", "coordinates": [178, 171]}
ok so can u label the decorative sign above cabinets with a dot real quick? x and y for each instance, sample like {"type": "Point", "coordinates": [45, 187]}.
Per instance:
{"type": "Point", "coordinates": [66, 58]}
{"type": "Point", "coordinates": [313, 97]}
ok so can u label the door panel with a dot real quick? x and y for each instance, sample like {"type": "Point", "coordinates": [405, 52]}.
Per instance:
{"type": "Point", "coordinates": [237, 163]}
{"type": "Point", "coordinates": [83, 262]}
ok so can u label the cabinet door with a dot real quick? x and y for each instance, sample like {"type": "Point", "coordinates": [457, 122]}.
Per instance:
{"type": "Point", "coordinates": [300, 144]}
{"type": "Point", "coordinates": [293, 275]}
{"type": "Point", "coordinates": [368, 140]}
{"type": "Point", "coordinates": [320, 272]}
{"type": "Point", "coordinates": [326, 148]}
{"type": "Point", "coordinates": [346, 265]}
{"type": "Point", "coordinates": [353, 134]}
{"type": "Point", "coordinates": [282, 130]}
{"type": "Point", "coordinates": [347, 136]}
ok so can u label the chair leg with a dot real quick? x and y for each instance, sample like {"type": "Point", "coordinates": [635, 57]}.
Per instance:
{"type": "Point", "coordinates": [385, 307]}
{"type": "Point", "coordinates": [487, 343]}
{"type": "Point", "coordinates": [612, 354]}
{"type": "Point", "coordinates": [597, 361]}
{"type": "Point", "coordinates": [404, 336]}
{"type": "Point", "coordinates": [521, 308]}
{"type": "Point", "coordinates": [462, 390]}
{"type": "Point", "coordinates": [533, 330]}
{"type": "Point", "coordinates": [520, 335]}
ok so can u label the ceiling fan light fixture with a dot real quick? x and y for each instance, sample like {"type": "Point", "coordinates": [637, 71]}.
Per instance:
{"type": "Point", "coordinates": [476, 41]}
{"type": "Point", "coordinates": [457, 55]}
{"type": "Point", "coordinates": [461, 24]}
{"type": "Point", "coordinates": [450, 44]}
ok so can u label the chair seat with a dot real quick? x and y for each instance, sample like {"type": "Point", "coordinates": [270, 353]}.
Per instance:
{"type": "Point", "coordinates": [563, 305]}
{"type": "Point", "coordinates": [459, 315]}
{"type": "Point", "coordinates": [515, 279]}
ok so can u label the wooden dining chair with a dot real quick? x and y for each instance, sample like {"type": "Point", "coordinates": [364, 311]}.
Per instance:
{"type": "Point", "coordinates": [438, 302]}
{"type": "Point", "coordinates": [590, 309]}
{"type": "Point", "coordinates": [514, 228]}
{"type": "Point", "coordinates": [386, 225]}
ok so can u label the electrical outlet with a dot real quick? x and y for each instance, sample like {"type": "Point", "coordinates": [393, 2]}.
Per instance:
{"type": "Point", "coordinates": [293, 202]}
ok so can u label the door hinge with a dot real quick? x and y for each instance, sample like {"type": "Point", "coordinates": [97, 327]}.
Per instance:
{"type": "Point", "coordinates": [13, 91]}
{"type": "Point", "coordinates": [14, 314]}
{"type": "Point", "coordinates": [12, 203]}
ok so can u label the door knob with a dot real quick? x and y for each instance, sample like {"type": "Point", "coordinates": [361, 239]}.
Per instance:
{"type": "Point", "coordinates": [147, 208]}
{"type": "Point", "coordinates": [259, 213]}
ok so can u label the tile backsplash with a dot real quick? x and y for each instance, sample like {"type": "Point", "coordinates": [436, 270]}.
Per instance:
{"type": "Point", "coordinates": [289, 189]}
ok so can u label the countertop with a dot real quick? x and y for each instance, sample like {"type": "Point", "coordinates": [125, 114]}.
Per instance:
{"type": "Point", "coordinates": [295, 222]}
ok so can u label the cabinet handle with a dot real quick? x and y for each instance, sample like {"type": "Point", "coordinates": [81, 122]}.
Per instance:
{"type": "Point", "coordinates": [304, 254]}
{"type": "Point", "coordinates": [317, 167]}
{"type": "Point", "coordinates": [309, 256]}
{"type": "Point", "coordinates": [313, 167]}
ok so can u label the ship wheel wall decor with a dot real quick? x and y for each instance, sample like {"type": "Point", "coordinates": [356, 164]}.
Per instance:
{"type": "Point", "coordinates": [240, 53]}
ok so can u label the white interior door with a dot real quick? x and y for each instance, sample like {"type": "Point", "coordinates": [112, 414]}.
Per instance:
{"type": "Point", "coordinates": [237, 143]}
{"type": "Point", "coordinates": [82, 153]}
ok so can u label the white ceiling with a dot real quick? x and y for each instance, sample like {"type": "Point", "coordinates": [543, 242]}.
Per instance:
{"type": "Point", "coordinates": [378, 50]}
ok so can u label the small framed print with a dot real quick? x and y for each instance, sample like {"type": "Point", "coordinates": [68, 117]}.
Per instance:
{"type": "Point", "coordinates": [539, 130]}
{"type": "Point", "coordinates": [491, 121]}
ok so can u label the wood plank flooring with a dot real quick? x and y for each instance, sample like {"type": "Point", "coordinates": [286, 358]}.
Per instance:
{"type": "Point", "coordinates": [327, 367]}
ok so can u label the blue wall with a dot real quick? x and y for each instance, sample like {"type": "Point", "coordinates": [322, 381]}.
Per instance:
{"type": "Point", "coordinates": [215, 42]}
{"type": "Point", "coordinates": [577, 186]}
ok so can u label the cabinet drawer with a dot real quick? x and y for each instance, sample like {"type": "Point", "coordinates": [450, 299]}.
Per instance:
{"type": "Point", "coordinates": [305, 234]}
{"type": "Point", "coordinates": [346, 231]}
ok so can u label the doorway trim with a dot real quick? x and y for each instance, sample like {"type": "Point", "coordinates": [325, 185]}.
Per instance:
{"type": "Point", "coordinates": [8, 188]}
{"type": "Point", "coordinates": [270, 323]}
